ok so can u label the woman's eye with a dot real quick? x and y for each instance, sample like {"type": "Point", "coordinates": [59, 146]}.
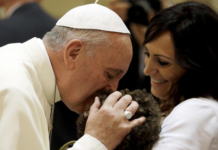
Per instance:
{"type": "Point", "coordinates": [146, 53]}
{"type": "Point", "coordinates": [163, 63]}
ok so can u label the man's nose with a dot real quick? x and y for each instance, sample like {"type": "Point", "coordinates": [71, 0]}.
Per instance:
{"type": "Point", "coordinates": [112, 85]}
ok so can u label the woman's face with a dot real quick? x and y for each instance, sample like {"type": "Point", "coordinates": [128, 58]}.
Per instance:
{"type": "Point", "coordinates": [161, 66]}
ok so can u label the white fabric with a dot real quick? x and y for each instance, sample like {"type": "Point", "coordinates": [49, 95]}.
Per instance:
{"type": "Point", "coordinates": [90, 144]}
{"type": "Point", "coordinates": [93, 16]}
{"type": "Point", "coordinates": [192, 125]}
{"type": "Point", "coordinates": [45, 51]}
{"type": "Point", "coordinates": [26, 94]}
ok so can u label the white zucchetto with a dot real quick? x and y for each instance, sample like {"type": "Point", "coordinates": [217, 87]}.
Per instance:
{"type": "Point", "coordinates": [93, 16]}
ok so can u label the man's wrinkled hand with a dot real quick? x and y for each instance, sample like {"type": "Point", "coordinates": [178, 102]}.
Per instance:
{"type": "Point", "coordinates": [108, 124]}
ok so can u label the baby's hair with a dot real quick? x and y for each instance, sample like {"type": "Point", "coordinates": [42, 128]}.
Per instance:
{"type": "Point", "coordinates": [141, 137]}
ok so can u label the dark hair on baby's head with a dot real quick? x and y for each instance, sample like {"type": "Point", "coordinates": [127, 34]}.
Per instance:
{"type": "Point", "coordinates": [141, 137]}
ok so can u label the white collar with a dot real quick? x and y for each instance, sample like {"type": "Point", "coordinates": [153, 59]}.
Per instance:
{"type": "Point", "coordinates": [43, 67]}
{"type": "Point", "coordinates": [44, 50]}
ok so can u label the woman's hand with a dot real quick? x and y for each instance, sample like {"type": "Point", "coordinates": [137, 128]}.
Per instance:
{"type": "Point", "coordinates": [108, 124]}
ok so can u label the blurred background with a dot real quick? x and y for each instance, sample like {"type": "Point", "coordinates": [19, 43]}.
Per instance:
{"type": "Point", "coordinates": [59, 7]}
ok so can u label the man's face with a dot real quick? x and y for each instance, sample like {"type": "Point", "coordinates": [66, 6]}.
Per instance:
{"type": "Point", "coordinates": [93, 74]}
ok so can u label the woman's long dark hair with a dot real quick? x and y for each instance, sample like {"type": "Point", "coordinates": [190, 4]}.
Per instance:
{"type": "Point", "coordinates": [194, 30]}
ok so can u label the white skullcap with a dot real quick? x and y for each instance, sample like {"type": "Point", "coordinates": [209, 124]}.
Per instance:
{"type": "Point", "coordinates": [93, 16]}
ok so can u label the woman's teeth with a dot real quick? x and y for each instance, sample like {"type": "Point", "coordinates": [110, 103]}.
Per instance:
{"type": "Point", "coordinates": [158, 81]}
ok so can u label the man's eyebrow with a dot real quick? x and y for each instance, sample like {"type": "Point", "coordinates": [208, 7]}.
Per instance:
{"type": "Point", "coordinates": [117, 71]}
{"type": "Point", "coordinates": [158, 55]}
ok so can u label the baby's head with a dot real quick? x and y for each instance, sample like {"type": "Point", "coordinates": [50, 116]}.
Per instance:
{"type": "Point", "coordinates": [141, 137]}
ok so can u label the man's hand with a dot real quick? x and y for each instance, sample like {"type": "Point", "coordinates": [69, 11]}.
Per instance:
{"type": "Point", "coordinates": [108, 124]}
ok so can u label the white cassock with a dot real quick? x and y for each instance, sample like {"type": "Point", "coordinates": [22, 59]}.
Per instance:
{"type": "Point", "coordinates": [27, 88]}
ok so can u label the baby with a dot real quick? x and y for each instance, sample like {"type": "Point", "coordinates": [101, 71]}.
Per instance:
{"type": "Point", "coordinates": [141, 137]}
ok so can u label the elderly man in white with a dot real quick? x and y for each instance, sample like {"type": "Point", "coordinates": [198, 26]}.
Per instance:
{"type": "Point", "coordinates": [88, 50]}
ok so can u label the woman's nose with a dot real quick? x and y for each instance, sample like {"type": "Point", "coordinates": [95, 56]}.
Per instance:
{"type": "Point", "coordinates": [150, 68]}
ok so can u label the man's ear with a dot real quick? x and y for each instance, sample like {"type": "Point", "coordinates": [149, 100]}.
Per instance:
{"type": "Point", "coordinates": [72, 52]}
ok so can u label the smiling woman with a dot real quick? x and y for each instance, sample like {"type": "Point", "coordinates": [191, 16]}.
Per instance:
{"type": "Point", "coordinates": [162, 66]}
{"type": "Point", "coordinates": [182, 62]}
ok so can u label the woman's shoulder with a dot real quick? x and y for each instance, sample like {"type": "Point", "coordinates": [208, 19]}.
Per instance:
{"type": "Point", "coordinates": [195, 104]}
{"type": "Point", "coordinates": [193, 124]}
{"type": "Point", "coordinates": [195, 110]}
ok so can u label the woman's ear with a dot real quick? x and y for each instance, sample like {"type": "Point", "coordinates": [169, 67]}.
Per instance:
{"type": "Point", "coordinates": [71, 52]}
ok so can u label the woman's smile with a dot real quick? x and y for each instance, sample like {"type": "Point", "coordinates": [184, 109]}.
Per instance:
{"type": "Point", "coordinates": [158, 83]}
